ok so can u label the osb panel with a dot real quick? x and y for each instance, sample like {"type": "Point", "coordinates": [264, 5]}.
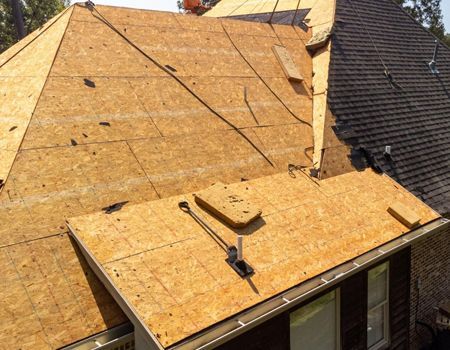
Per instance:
{"type": "Point", "coordinates": [127, 16]}
{"type": "Point", "coordinates": [104, 54]}
{"type": "Point", "coordinates": [296, 96]}
{"type": "Point", "coordinates": [56, 183]}
{"type": "Point", "coordinates": [179, 49]}
{"type": "Point", "coordinates": [320, 109]}
{"type": "Point", "coordinates": [110, 111]}
{"type": "Point", "coordinates": [247, 102]}
{"type": "Point", "coordinates": [301, 57]}
{"type": "Point", "coordinates": [322, 12]}
{"type": "Point", "coordinates": [173, 109]}
{"type": "Point", "coordinates": [287, 144]}
{"type": "Point", "coordinates": [50, 297]}
{"type": "Point", "coordinates": [13, 50]}
{"type": "Point", "coordinates": [227, 205]}
{"type": "Point", "coordinates": [37, 58]}
{"type": "Point", "coordinates": [241, 7]}
{"type": "Point", "coordinates": [321, 63]}
{"type": "Point", "coordinates": [188, 163]}
{"type": "Point", "coordinates": [258, 52]}
{"type": "Point", "coordinates": [318, 225]}
{"type": "Point", "coordinates": [18, 97]}
{"type": "Point", "coordinates": [21, 82]}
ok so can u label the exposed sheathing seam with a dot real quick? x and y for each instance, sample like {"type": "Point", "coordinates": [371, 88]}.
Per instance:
{"type": "Point", "coordinates": [22, 44]}
{"type": "Point", "coordinates": [109, 124]}
{"type": "Point", "coordinates": [168, 265]}
{"type": "Point", "coordinates": [22, 81]}
{"type": "Point", "coordinates": [227, 8]}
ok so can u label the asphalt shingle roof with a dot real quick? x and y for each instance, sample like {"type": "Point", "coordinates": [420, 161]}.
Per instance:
{"type": "Point", "coordinates": [413, 116]}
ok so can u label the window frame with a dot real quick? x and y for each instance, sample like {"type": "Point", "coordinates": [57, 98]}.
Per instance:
{"type": "Point", "coordinates": [337, 301]}
{"type": "Point", "coordinates": [386, 309]}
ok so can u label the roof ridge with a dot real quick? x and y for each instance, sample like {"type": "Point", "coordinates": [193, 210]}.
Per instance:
{"type": "Point", "coordinates": [420, 24]}
{"type": "Point", "coordinates": [31, 90]}
{"type": "Point", "coordinates": [45, 27]}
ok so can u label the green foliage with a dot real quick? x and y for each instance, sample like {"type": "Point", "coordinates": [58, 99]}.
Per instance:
{"type": "Point", "coordinates": [446, 40]}
{"type": "Point", "coordinates": [427, 12]}
{"type": "Point", "coordinates": [35, 13]}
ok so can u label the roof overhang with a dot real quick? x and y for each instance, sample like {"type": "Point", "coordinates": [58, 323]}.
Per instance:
{"type": "Point", "coordinates": [243, 322]}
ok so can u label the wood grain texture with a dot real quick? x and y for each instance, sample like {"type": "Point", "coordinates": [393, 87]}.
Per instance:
{"type": "Point", "coordinates": [227, 205]}
{"type": "Point", "coordinates": [285, 60]}
{"type": "Point", "coordinates": [109, 127]}
{"type": "Point", "coordinates": [168, 265]}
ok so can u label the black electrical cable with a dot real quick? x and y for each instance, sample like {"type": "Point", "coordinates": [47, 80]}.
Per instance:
{"type": "Point", "coordinates": [261, 78]}
{"type": "Point", "coordinates": [169, 72]}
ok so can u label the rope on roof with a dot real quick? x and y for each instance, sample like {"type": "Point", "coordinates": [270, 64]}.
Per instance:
{"type": "Point", "coordinates": [296, 12]}
{"type": "Point", "coordinates": [387, 73]}
{"type": "Point", "coordinates": [183, 84]}
{"type": "Point", "coordinates": [273, 11]}
{"type": "Point", "coordinates": [262, 79]}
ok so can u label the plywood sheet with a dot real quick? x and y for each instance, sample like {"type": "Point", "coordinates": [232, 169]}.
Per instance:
{"type": "Point", "coordinates": [21, 82]}
{"type": "Point", "coordinates": [188, 163]}
{"type": "Point", "coordinates": [110, 111]}
{"type": "Point", "coordinates": [16, 48]}
{"type": "Point", "coordinates": [85, 55]}
{"type": "Point", "coordinates": [227, 205]}
{"type": "Point", "coordinates": [317, 225]}
{"type": "Point", "coordinates": [112, 127]}
{"type": "Point", "coordinates": [286, 62]}
{"type": "Point", "coordinates": [405, 215]}
{"type": "Point", "coordinates": [71, 181]}
{"type": "Point", "coordinates": [241, 7]}
{"type": "Point", "coordinates": [49, 296]}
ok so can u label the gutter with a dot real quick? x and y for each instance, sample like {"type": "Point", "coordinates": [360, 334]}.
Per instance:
{"type": "Point", "coordinates": [247, 320]}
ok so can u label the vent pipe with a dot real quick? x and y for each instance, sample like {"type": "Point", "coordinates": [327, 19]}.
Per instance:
{"type": "Point", "coordinates": [240, 248]}
{"type": "Point", "coordinates": [432, 64]}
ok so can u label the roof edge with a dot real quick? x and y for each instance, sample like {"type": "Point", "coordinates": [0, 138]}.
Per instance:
{"type": "Point", "coordinates": [38, 88]}
{"type": "Point", "coordinates": [247, 320]}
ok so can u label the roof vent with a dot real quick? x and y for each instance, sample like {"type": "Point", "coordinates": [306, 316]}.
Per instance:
{"type": "Point", "coordinates": [387, 152]}
{"type": "Point", "coordinates": [432, 64]}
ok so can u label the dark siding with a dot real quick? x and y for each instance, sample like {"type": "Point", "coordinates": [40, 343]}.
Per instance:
{"type": "Point", "coordinates": [271, 335]}
{"type": "Point", "coordinates": [274, 334]}
{"type": "Point", "coordinates": [353, 312]}
{"type": "Point", "coordinates": [399, 288]}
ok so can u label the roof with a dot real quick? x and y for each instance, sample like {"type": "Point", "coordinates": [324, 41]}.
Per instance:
{"type": "Point", "coordinates": [174, 275]}
{"type": "Point", "coordinates": [413, 118]}
{"type": "Point", "coordinates": [227, 8]}
{"type": "Point", "coordinates": [365, 112]}
{"type": "Point", "coordinates": [87, 121]}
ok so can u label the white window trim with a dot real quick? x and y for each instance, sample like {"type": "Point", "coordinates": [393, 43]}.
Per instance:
{"type": "Point", "coordinates": [385, 304]}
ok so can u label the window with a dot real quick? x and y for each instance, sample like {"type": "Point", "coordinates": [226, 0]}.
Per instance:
{"type": "Point", "coordinates": [316, 325]}
{"type": "Point", "coordinates": [378, 307]}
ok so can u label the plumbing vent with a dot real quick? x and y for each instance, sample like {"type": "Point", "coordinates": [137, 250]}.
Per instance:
{"type": "Point", "coordinates": [234, 210]}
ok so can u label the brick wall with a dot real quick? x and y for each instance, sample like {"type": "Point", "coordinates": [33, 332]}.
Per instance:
{"type": "Point", "coordinates": [430, 261]}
